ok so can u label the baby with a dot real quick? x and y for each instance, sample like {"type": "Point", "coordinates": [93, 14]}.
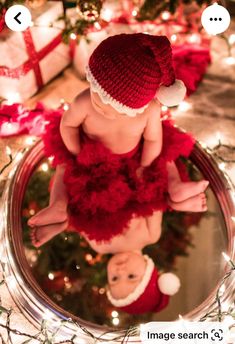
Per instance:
{"type": "Point", "coordinates": [134, 284]}
{"type": "Point", "coordinates": [114, 156]}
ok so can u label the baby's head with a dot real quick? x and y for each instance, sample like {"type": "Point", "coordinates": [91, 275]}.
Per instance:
{"type": "Point", "coordinates": [128, 70]}
{"type": "Point", "coordinates": [125, 272]}
{"type": "Point", "coordinates": [134, 285]}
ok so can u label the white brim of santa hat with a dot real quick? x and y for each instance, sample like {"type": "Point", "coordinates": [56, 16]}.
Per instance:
{"type": "Point", "coordinates": [139, 290]}
{"type": "Point", "coordinates": [108, 99]}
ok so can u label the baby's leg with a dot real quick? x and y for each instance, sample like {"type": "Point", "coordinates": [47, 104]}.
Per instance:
{"type": "Point", "coordinates": [180, 191]}
{"type": "Point", "coordinates": [57, 209]}
{"type": "Point", "coordinates": [194, 204]}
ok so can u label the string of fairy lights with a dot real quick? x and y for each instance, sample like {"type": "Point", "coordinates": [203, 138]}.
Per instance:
{"type": "Point", "coordinates": [45, 335]}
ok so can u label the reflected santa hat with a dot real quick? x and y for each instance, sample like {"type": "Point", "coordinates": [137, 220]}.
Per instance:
{"type": "Point", "coordinates": [129, 70]}
{"type": "Point", "coordinates": [151, 295]}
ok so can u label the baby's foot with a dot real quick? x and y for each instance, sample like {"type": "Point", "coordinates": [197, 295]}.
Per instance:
{"type": "Point", "coordinates": [54, 213]}
{"type": "Point", "coordinates": [194, 204]}
{"type": "Point", "coordinates": [181, 191]}
{"type": "Point", "coordinates": [40, 235]}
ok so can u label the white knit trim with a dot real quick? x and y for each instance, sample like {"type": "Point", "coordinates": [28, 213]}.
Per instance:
{"type": "Point", "coordinates": [138, 291]}
{"type": "Point", "coordinates": [108, 99]}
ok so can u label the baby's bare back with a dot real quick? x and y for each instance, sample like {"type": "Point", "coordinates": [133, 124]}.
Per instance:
{"type": "Point", "coordinates": [120, 135]}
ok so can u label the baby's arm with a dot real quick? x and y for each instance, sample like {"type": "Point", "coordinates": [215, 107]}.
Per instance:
{"type": "Point", "coordinates": [70, 122]}
{"type": "Point", "coordinates": [154, 225]}
{"type": "Point", "coordinates": [152, 136]}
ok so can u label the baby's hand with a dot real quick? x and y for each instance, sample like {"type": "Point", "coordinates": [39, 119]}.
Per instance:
{"type": "Point", "coordinates": [139, 172]}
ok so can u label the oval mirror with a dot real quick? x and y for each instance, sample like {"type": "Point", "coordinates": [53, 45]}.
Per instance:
{"type": "Point", "coordinates": [68, 278]}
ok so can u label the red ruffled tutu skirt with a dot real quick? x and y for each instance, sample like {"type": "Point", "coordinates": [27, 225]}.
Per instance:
{"type": "Point", "coordinates": [103, 190]}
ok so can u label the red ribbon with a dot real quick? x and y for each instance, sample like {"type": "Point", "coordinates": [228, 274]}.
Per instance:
{"type": "Point", "coordinates": [34, 59]}
{"type": "Point", "coordinates": [2, 19]}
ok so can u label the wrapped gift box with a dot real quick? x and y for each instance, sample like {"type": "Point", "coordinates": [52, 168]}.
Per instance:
{"type": "Point", "coordinates": [84, 49]}
{"type": "Point", "coordinates": [31, 58]}
{"type": "Point", "coordinates": [87, 45]}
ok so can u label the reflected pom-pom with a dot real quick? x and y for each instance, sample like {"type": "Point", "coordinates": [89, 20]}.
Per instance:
{"type": "Point", "coordinates": [168, 283]}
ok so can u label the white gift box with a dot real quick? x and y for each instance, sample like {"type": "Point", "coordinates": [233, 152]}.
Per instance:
{"type": "Point", "coordinates": [84, 48]}
{"type": "Point", "coordinates": [31, 58]}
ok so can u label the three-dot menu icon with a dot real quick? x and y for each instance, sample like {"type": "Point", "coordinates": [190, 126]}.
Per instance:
{"type": "Point", "coordinates": [215, 19]}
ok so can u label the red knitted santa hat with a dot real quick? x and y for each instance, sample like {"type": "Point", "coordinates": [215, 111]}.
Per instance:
{"type": "Point", "coordinates": [129, 70]}
{"type": "Point", "coordinates": [151, 295]}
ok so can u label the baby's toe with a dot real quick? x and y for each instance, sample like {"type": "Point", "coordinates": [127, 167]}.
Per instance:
{"type": "Point", "coordinates": [33, 236]}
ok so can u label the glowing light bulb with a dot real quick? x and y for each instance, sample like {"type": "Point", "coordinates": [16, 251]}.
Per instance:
{"type": "Point", "coordinates": [218, 136]}
{"type": "Point", "coordinates": [73, 36]}
{"type": "Point", "coordinates": [233, 218]}
{"type": "Point", "coordinates": [3, 255]}
{"type": "Point", "coordinates": [9, 128]}
{"type": "Point", "coordinates": [44, 167]}
{"type": "Point", "coordinates": [11, 282]}
{"type": "Point", "coordinates": [231, 39]}
{"type": "Point", "coordinates": [107, 14]}
{"type": "Point", "coordinates": [194, 38]}
{"type": "Point", "coordinates": [226, 257]}
{"type": "Point", "coordinates": [48, 315]}
{"type": "Point", "coordinates": [19, 156]}
{"type": "Point", "coordinates": [164, 108]}
{"type": "Point", "coordinates": [173, 38]}
{"type": "Point", "coordinates": [222, 289]}
{"type": "Point", "coordinates": [66, 107]}
{"type": "Point", "coordinates": [225, 306]}
{"type": "Point", "coordinates": [115, 321]}
{"type": "Point", "coordinates": [184, 106]}
{"type": "Point", "coordinates": [222, 166]}
{"type": "Point", "coordinates": [29, 141]}
{"type": "Point", "coordinates": [31, 212]}
{"type": "Point", "coordinates": [88, 257]}
{"type": "Point", "coordinates": [12, 98]}
{"type": "Point", "coordinates": [8, 150]}
{"type": "Point", "coordinates": [97, 26]}
{"type": "Point", "coordinates": [203, 144]}
{"type": "Point", "coordinates": [230, 60]}
{"type": "Point", "coordinates": [51, 276]}
{"type": "Point", "coordinates": [165, 15]}
{"type": "Point", "coordinates": [114, 314]}
{"type": "Point", "coordinates": [228, 320]}
{"type": "Point", "coordinates": [134, 13]}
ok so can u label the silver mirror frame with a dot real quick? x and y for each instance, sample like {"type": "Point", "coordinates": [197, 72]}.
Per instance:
{"type": "Point", "coordinates": [26, 293]}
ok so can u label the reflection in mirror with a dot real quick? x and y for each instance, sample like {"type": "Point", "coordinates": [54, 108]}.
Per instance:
{"type": "Point", "coordinates": [74, 276]}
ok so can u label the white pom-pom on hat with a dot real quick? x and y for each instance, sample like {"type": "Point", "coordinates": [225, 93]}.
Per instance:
{"type": "Point", "coordinates": [171, 95]}
{"type": "Point", "coordinates": [168, 283]}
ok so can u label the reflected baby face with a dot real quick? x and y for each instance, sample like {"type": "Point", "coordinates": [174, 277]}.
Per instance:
{"type": "Point", "coordinates": [125, 272]}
